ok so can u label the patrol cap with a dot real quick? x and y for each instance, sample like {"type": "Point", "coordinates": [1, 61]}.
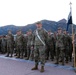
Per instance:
{"type": "Point", "coordinates": [59, 28]}
{"type": "Point", "coordinates": [38, 22]}
{"type": "Point", "coordinates": [30, 30]}
{"type": "Point", "coordinates": [64, 29]}
{"type": "Point", "coordinates": [18, 30]}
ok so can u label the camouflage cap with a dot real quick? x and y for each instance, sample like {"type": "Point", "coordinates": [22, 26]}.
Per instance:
{"type": "Point", "coordinates": [38, 22]}
{"type": "Point", "coordinates": [64, 29]}
{"type": "Point", "coordinates": [30, 30]}
{"type": "Point", "coordinates": [59, 28]}
{"type": "Point", "coordinates": [18, 30]}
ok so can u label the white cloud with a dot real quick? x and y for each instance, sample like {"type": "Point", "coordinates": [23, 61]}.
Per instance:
{"type": "Point", "coordinates": [22, 12]}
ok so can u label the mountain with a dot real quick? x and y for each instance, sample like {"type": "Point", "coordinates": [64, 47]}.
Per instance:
{"type": "Point", "coordinates": [47, 24]}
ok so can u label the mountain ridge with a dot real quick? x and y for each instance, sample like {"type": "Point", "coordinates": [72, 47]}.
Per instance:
{"type": "Point", "coordinates": [47, 24]}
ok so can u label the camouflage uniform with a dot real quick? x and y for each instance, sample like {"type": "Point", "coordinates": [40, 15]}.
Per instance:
{"type": "Point", "coordinates": [67, 42]}
{"type": "Point", "coordinates": [3, 44]}
{"type": "Point", "coordinates": [19, 45]}
{"type": "Point", "coordinates": [25, 46]}
{"type": "Point", "coordinates": [39, 48]}
{"type": "Point", "coordinates": [50, 41]}
{"type": "Point", "coordinates": [10, 43]}
{"type": "Point", "coordinates": [59, 48]}
{"type": "Point", "coordinates": [29, 39]}
{"type": "Point", "coordinates": [54, 35]}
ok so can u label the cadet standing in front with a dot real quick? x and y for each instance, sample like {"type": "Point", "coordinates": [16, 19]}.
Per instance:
{"type": "Point", "coordinates": [39, 43]}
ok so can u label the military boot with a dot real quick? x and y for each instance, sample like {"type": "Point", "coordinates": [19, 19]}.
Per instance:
{"type": "Point", "coordinates": [70, 59]}
{"type": "Point", "coordinates": [7, 56]}
{"type": "Point", "coordinates": [27, 58]}
{"type": "Point", "coordinates": [42, 69]}
{"type": "Point", "coordinates": [11, 56]}
{"type": "Point", "coordinates": [21, 57]}
{"type": "Point", "coordinates": [18, 57]}
{"type": "Point", "coordinates": [60, 60]}
{"type": "Point", "coordinates": [63, 62]}
{"type": "Point", "coordinates": [15, 55]}
{"type": "Point", "coordinates": [56, 62]}
{"type": "Point", "coordinates": [35, 68]}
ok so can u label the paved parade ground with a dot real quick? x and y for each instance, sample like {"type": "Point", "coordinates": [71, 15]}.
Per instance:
{"type": "Point", "coordinates": [13, 66]}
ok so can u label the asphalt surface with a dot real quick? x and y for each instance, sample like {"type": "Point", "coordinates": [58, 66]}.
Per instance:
{"type": "Point", "coordinates": [13, 66]}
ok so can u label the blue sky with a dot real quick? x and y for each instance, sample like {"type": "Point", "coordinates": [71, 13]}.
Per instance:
{"type": "Point", "coordinates": [23, 12]}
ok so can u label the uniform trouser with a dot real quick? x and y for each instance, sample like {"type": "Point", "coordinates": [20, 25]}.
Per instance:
{"type": "Point", "coordinates": [28, 50]}
{"type": "Point", "coordinates": [3, 49]}
{"type": "Point", "coordinates": [51, 52]}
{"type": "Point", "coordinates": [54, 50]}
{"type": "Point", "coordinates": [70, 52]}
{"type": "Point", "coordinates": [39, 55]}
{"type": "Point", "coordinates": [20, 50]}
{"type": "Point", "coordinates": [47, 50]}
{"type": "Point", "coordinates": [60, 53]}
{"type": "Point", "coordinates": [67, 52]}
{"type": "Point", "coordinates": [32, 54]}
{"type": "Point", "coordinates": [9, 49]}
{"type": "Point", "coordinates": [25, 51]}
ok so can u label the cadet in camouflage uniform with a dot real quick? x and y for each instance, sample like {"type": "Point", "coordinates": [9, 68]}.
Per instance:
{"type": "Point", "coordinates": [50, 41]}
{"type": "Point", "coordinates": [29, 39]}
{"type": "Point", "coordinates": [25, 44]}
{"type": "Point", "coordinates": [55, 43]}
{"type": "Point", "coordinates": [67, 41]}
{"type": "Point", "coordinates": [59, 46]}
{"type": "Point", "coordinates": [10, 43]}
{"type": "Point", "coordinates": [39, 46]}
{"type": "Point", "coordinates": [3, 44]}
{"type": "Point", "coordinates": [19, 44]}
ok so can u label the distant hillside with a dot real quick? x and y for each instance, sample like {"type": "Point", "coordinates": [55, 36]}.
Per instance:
{"type": "Point", "coordinates": [47, 24]}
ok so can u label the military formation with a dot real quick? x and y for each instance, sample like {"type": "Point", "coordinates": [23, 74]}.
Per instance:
{"type": "Point", "coordinates": [39, 46]}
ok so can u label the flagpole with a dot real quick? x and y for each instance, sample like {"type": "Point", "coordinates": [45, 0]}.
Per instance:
{"type": "Point", "coordinates": [73, 36]}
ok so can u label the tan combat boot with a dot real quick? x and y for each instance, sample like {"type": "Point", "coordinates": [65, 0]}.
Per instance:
{"type": "Point", "coordinates": [35, 68]}
{"type": "Point", "coordinates": [42, 69]}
